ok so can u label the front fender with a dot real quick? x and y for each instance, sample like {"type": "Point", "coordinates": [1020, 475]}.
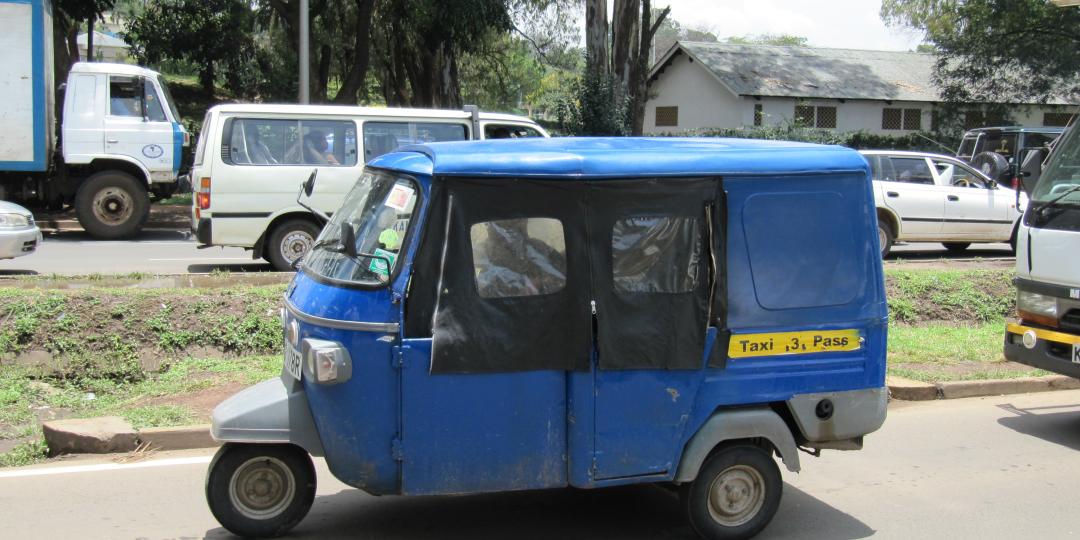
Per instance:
{"type": "Point", "coordinates": [272, 411]}
{"type": "Point", "coordinates": [734, 425]}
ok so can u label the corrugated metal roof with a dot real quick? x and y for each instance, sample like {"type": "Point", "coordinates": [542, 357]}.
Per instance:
{"type": "Point", "coordinates": [805, 72]}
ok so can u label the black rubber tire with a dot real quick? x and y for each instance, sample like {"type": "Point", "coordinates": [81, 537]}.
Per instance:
{"type": "Point", "coordinates": [231, 459]}
{"type": "Point", "coordinates": [281, 261]}
{"type": "Point", "coordinates": [885, 233]}
{"type": "Point", "coordinates": [992, 164]}
{"type": "Point", "coordinates": [956, 247]}
{"type": "Point", "coordinates": [112, 205]}
{"type": "Point", "coordinates": [694, 496]}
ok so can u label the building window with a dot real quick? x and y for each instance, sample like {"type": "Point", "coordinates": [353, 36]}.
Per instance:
{"type": "Point", "coordinates": [759, 114]}
{"type": "Point", "coordinates": [667, 116]}
{"type": "Point", "coordinates": [1056, 119]}
{"type": "Point", "coordinates": [811, 116]}
{"type": "Point", "coordinates": [894, 118]}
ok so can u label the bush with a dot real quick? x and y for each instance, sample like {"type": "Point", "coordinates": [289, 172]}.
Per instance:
{"type": "Point", "coordinates": [859, 140]}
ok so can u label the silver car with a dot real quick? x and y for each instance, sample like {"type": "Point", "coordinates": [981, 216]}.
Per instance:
{"type": "Point", "coordinates": [19, 234]}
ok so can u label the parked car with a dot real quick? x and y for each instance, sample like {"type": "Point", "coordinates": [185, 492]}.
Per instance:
{"type": "Point", "coordinates": [993, 150]}
{"type": "Point", "coordinates": [933, 198]}
{"type": "Point", "coordinates": [19, 234]}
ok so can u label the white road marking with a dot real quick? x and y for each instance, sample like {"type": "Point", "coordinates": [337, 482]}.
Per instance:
{"type": "Point", "coordinates": [43, 471]}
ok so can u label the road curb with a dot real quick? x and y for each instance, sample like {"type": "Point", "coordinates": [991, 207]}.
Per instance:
{"type": "Point", "coordinates": [177, 438]}
{"type": "Point", "coordinates": [909, 390]}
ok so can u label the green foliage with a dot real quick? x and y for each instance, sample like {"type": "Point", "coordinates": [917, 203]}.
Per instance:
{"type": "Point", "coordinates": [27, 453]}
{"type": "Point", "coordinates": [591, 109]}
{"type": "Point", "coordinates": [1018, 51]}
{"type": "Point", "coordinates": [159, 416]}
{"type": "Point", "coordinates": [982, 296]}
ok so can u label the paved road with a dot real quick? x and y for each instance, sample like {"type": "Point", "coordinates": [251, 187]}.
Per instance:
{"type": "Point", "coordinates": [979, 468]}
{"type": "Point", "coordinates": [173, 252]}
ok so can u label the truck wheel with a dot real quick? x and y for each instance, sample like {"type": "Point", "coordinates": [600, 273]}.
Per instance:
{"type": "Point", "coordinates": [735, 495]}
{"type": "Point", "coordinates": [885, 237]}
{"type": "Point", "coordinates": [260, 490]}
{"type": "Point", "coordinates": [112, 205]}
{"type": "Point", "coordinates": [290, 241]}
{"type": "Point", "coordinates": [956, 247]}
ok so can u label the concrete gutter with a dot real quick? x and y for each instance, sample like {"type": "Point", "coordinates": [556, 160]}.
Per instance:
{"type": "Point", "coordinates": [909, 390]}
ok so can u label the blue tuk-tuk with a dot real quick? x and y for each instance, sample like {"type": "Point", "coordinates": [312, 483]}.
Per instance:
{"type": "Point", "coordinates": [530, 314]}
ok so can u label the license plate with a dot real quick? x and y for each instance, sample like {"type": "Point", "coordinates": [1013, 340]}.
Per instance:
{"type": "Point", "coordinates": [786, 343]}
{"type": "Point", "coordinates": [1076, 353]}
{"type": "Point", "coordinates": [292, 362]}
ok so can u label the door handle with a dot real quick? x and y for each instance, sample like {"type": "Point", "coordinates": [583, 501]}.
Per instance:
{"type": "Point", "coordinates": [112, 141]}
{"type": "Point", "coordinates": [953, 198]}
{"type": "Point", "coordinates": [891, 194]}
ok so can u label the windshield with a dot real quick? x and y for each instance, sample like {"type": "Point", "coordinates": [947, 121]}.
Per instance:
{"type": "Point", "coordinates": [1062, 174]}
{"type": "Point", "coordinates": [169, 99]}
{"type": "Point", "coordinates": [378, 210]}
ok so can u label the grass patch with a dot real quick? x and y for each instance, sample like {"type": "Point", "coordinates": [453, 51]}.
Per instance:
{"type": "Point", "coordinates": [945, 344]}
{"type": "Point", "coordinates": [159, 416]}
{"type": "Point", "coordinates": [977, 296]}
{"type": "Point", "coordinates": [27, 453]}
{"type": "Point", "coordinates": [179, 199]}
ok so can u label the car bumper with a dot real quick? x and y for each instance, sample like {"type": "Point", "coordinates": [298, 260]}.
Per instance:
{"type": "Point", "coordinates": [1052, 350]}
{"type": "Point", "coordinates": [19, 242]}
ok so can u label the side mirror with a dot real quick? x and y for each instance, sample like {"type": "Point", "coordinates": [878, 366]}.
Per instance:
{"type": "Point", "coordinates": [309, 184]}
{"type": "Point", "coordinates": [348, 240]}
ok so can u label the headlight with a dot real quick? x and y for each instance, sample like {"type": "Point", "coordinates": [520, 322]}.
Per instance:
{"type": "Point", "coordinates": [1037, 307]}
{"type": "Point", "coordinates": [327, 361]}
{"type": "Point", "coordinates": [14, 221]}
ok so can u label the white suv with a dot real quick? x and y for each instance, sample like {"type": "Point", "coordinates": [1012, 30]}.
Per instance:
{"type": "Point", "coordinates": [933, 198]}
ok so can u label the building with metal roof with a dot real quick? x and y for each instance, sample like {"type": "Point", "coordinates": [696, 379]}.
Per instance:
{"type": "Point", "coordinates": [720, 85]}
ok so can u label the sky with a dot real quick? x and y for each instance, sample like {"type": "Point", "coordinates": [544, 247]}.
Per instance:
{"type": "Point", "coordinates": [847, 24]}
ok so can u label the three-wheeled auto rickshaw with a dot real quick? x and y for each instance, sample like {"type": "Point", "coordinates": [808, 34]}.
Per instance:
{"type": "Point", "coordinates": [530, 314]}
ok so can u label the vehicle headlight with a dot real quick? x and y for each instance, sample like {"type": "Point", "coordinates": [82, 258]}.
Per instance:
{"type": "Point", "coordinates": [14, 221]}
{"type": "Point", "coordinates": [1037, 307]}
{"type": "Point", "coordinates": [327, 361]}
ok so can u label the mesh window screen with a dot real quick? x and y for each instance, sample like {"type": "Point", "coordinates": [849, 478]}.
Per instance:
{"type": "Point", "coordinates": [657, 254]}
{"type": "Point", "coordinates": [1056, 119]}
{"type": "Point", "coordinates": [759, 114]}
{"type": "Point", "coordinates": [826, 117]}
{"type": "Point", "coordinates": [913, 119]}
{"type": "Point", "coordinates": [518, 257]}
{"type": "Point", "coordinates": [804, 115]}
{"type": "Point", "coordinates": [891, 119]}
{"type": "Point", "coordinates": [667, 116]}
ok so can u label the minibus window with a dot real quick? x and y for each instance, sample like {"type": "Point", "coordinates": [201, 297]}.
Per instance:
{"type": "Point", "coordinates": [378, 209]}
{"type": "Point", "coordinates": [655, 254]}
{"type": "Point", "coordinates": [509, 131]}
{"type": "Point", "coordinates": [324, 143]}
{"type": "Point", "coordinates": [385, 137]}
{"type": "Point", "coordinates": [518, 257]}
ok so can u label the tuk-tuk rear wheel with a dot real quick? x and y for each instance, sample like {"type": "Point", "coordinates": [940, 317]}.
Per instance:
{"type": "Point", "coordinates": [735, 495]}
{"type": "Point", "coordinates": [260, 490]}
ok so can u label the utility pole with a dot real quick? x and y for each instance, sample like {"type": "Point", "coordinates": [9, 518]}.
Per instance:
{"type": "Point", "coordinates": [305, 54]}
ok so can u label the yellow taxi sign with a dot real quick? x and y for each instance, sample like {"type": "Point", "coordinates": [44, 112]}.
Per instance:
{"type": "Point", "coordinates": [783, 343]}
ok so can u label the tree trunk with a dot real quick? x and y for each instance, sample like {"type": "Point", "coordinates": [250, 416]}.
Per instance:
{"type": "Point", "coordinates": [354, 81]}
{"type": "Point", "coordinates": [639, 77]}
{"type": "Point", "coordinates": [206, 79]}
{"type": "Point", "coordinates": [322, 77]}
{"type": "Point", "coordinates": [624, 43]}
{"type": "Point", "coordinates": [596, 30]}
{"type": "Point", "coordinates": [90, 39]}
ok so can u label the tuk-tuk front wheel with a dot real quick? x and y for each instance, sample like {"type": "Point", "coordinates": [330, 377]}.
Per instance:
{"type": "Point", "coordinates": [260, 490]}
{"type": "Point", "coordinates": [736, 493]}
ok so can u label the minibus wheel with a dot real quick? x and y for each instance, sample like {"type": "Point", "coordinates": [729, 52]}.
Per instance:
{"type": "Point", "coordinates": [290, 240]}
{"type": "Point", "coordinates": [260, 490]}
{"type": "Point", "coordinates": [735, 495]}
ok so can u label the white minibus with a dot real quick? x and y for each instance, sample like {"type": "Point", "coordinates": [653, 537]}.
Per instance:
{"type": "Point", "coordinates": [250, 161]}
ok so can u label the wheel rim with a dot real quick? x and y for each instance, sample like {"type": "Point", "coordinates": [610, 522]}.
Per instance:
{"type": "Point", "coordinates": [736, 495]}
{"type": "Point", "coordinates": [295, 244]}
{"type": "Point", "coordinates": [113, 206]}
{"type": "Point", "coordinates": [262, 488]}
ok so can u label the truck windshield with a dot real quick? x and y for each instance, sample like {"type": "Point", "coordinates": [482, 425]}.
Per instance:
{"type": "Point", "coordinates": [168, 98]}
{"type": "Point", "coordinates": [378, 210]}
{"type": "Point", "coordinates": [1060, 182]}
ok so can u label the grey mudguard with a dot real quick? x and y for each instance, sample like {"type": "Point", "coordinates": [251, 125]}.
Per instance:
{"type": "Point", "coordinates": [272, 411]}
{"type": "Point", "coordinates": [737, 424]}
{"type": "Point", "coordinates": [855, 413]}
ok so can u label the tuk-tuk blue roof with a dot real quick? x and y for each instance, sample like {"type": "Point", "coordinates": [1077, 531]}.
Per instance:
{"type": "Point", "coordinates": [620, 157]}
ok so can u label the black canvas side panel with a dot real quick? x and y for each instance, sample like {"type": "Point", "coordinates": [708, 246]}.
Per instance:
{"type": "Point", "coordinates": [514, 292]}
{"type": "Point", "coordinates": [424, 284]}
{"type": "Point", "coordinates": [652, 310]}
{"type": "Point", "coordinates": [719, 355]}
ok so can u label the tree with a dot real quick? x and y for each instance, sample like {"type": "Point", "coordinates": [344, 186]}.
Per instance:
{"type": "Point", "coordinates": [1019, 51]}
{"type": "Point", "coordinates": [214, 35]}
{"type": "Point", "coordinates": [68, 17]}
{"type": "Point", "coordinates": [671, 31]}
